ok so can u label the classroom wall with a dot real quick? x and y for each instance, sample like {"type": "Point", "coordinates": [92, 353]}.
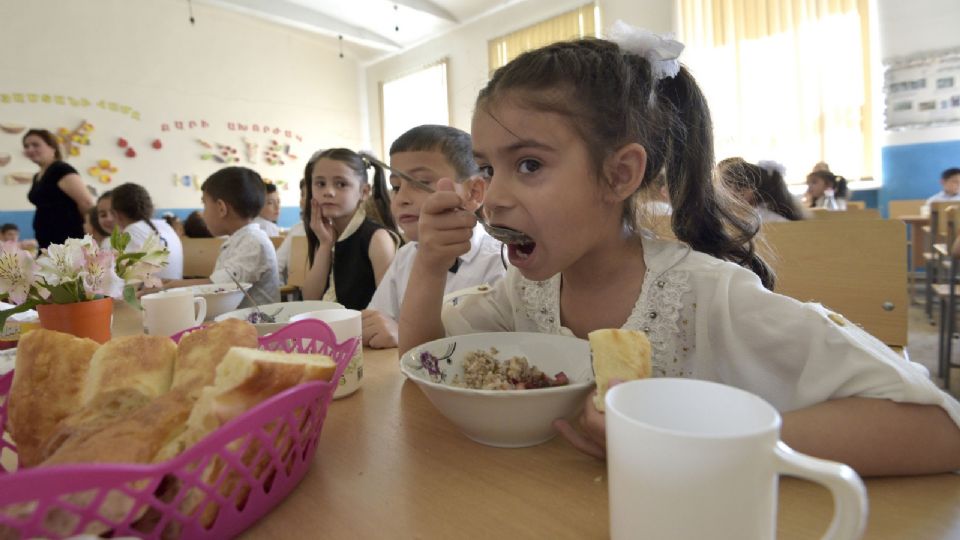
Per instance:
{"type": "Point", "coordinates": [137, 69]}
{"type": "Point", "coordinates": [912, 159]}
{"type": "Point", "coordinates": [466, 51]}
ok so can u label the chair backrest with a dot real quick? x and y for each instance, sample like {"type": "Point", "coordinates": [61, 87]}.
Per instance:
{"type": "Point", "coordinates": [848, 214]}
{"type": "Point", "coordinates": [937, 224]}
{"type": "Point", "coordinates": [297, 271]}
{"type": "Point", "coordinates": [855, 269]}
{"type": "Point", "coordinates": [276, 240]}
{"type": "Point", "coordinates": [905, 207]}
{"type": "Point", "coordinates": [200, 256]}
{"type": "Point", "coordinates": [856, 205]}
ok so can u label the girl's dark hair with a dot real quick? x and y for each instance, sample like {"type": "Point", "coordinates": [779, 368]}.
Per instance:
{"type": "Point", "coordinates": [195, 227]}
{"type": "Point", "coordinates": [133, 201]}
{"type": "Point", "coordinates": [356, 163]}
{"type": "Point", "coordinates": [105, 195]}
{"type": "Point", "coordinates": [269, 187]}
{"type": "Point", "coordinates": [47, 137]}
{"type": "Point", "coordinates": [767, 185]}
{"type": "Point", "coordinates": [612, 100]}
{"type": "Point", "coordinates": [94, 216]}
{"type": "Point", "coordinates": [837, 183]}
{"type": "Point", "coordinates": [454, 144]}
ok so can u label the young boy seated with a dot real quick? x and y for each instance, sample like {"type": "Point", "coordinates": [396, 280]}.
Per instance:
{"type": "Point", "coordinates": [270, 213]}
{"type": "Point", "coordinates": [232, 198]}
{"type": "Point", "coordinates": [429, 153]}
{"type": "Point", "coordinates": [950, 182]}
{"type": "Point", "coordinates": [9, 232]}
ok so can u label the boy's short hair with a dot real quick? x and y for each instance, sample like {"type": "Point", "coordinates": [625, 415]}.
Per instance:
{"type": "Point", "coordinates": [949, 172]}
{"type": "Point", "coordinates": [8, 227]}
{"type": "Point", "coordinates": [241, 188]}
{"type": "Point", "coordinates": [454, 144]}
{"type": "Point", "coordinates": [271, 188]}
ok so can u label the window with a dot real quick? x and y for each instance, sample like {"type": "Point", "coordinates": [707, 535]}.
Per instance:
{"type": "Point", "coordinates": [578, 23]}
{"type": "Point", "coordinates": [787, 80]}
{"type": "Point", "coordinates": [412, 100]}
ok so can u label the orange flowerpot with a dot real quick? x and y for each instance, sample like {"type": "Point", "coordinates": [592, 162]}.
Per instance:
{"type": "Point", "coordinates": [89, 319]}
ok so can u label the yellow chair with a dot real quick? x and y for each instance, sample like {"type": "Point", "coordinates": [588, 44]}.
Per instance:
{"type": "Point", "coordinates": [297, 270]}
{"type": "Point", "coordinates": [905, 207]}
{"type": "Point", "coordinates": [946, 294]}
{"type": "Point", "coordinates": [855, 269]}
{"type": "Point", "coordinates": [856, 205]}
{"type": "Point", "coordinates": [200, 256]}
{"type": "Point", "coordinates": [844, 215]}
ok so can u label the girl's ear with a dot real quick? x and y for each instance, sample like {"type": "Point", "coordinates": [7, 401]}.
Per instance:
{"type": "Point", "coordinates": [364, 191]}
{"type": "Point", "coordinates": [472, 192]}
{"type": "Point", "coordinates": [624, 171]}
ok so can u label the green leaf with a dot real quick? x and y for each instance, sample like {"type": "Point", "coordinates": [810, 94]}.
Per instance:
{"type": "Point", "coordinates": [26, 306]}
{"type": "Point", "coordinates": [130, 296]}
{"type": "Point", "coordinates": [63, 294]}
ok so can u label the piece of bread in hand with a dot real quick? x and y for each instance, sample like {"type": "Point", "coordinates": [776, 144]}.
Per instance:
{"type": "Point", "coordinates": [48, 378]}
{"type": "Point", "coordinates": [200, 352]}
{"type": "Point", "coordinates": [141, 363]}
{"type": "Point", "coordinates": [618, 354]}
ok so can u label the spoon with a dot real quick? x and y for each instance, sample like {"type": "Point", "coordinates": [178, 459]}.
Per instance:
{"type": "Point", "coordinates": [503, 234]}
{"type": "Point", "coordinates": [261, 316]}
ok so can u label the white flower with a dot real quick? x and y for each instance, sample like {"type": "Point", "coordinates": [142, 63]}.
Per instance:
{"type": "Point", "coordinates": [16, 272]}
{"type": "Point", "coordinates": [60, 263]}
{"type": "Point", "coordinates": [99, 276]}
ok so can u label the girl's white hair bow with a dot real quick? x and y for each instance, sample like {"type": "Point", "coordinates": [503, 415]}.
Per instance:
{"type": "Point", "coordinates": [661, 51]}
{"type": "Point", "coordinates": [772, 166]}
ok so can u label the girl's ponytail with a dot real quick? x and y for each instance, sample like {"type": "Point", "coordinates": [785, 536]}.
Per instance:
{"type": "Point", "coordinates": [840, 189]}
{"type": "Point", "coordinates": [380, 200]}
{"type": "Point", "coordinates": [706, 216]}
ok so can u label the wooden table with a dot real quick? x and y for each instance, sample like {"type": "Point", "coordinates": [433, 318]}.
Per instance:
{"type": "Point", "coordinates": [390, 466]}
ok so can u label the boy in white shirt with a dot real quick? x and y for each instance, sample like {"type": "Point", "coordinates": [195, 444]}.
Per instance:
{"type": "Point", "coordinates": [270, 213]}
{"type": "Point", "coordinates": [429, 153]}
{"type": "Point", "coordinates": [950, 181]}
{"type": "Point", "coordinates": [232, 199]}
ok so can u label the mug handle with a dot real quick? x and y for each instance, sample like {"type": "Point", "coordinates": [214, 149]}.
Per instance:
{"type": "Point", "coordinates": [200, 308]}
{"type": "Point", "coordinates": [849, 494]}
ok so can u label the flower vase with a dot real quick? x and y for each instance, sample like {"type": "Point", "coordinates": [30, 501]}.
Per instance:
{"type": "Point", "coordinates": [90, 319]}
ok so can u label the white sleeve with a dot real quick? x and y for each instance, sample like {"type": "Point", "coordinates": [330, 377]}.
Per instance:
{"type": "Point", "coordinates": [796, 354]}
{"type": "Point", "coordinates": [385, 298]}
{"type": "Point", "coordinates": [482, 308]}
{"type": "Point", "coordinates": [242, 260]}
{"type": "Point", "coordinates": [138, 235]}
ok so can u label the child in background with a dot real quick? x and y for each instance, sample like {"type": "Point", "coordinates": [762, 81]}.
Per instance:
{"type": "Point", "coordinates": [105, 216]}
{"type": "Point", "coordinates": [298, 229]}
{"type": "Point", "coordinates": [91, 226]}
{"type": "Point", "coordinates": [9, 232]}
{"type": "Point", "coordinates": [232, 199]}
{"type": "Point", "coordinates": [133, 213]}
{"type": "Point", "coordinates": [762, 187]}
{"type": "Point", "coordinates": [567, 135]}
{"type": "Point", "coordinates": [818, 182]}
{"type": "Point", "coordinates": [429, 153]}
{"type": "Point", "coordinates": [267, 220]}
{"type": "Point", "coordinates": [950, 182]}
{"type": "Point", "coordinates": [336, 192]}
{"type": "Point", "coordinates": [194, 227]}
{"type": "Point", "coordinates": [174, 222]}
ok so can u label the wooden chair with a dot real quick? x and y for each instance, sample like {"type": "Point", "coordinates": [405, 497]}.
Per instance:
{"type": "Point", "coordinates": [934, 250]}
{"type": "Point", "coordinates": [856, 205]}
{"type": "Point", "coordinates": [848, 214]}
{"type": "Point", "coordinates": [905, 207]}
{"type": "Point", "coordinates": [297, 270]}
{"type": "Point", "coordinates": [200, 256]}
{"type": "Point", "coordinates": [276, 240]}
{"type": "Point", "coordinates": [855, 269]}
{"type": "Point", "coordinates": [946, 294]}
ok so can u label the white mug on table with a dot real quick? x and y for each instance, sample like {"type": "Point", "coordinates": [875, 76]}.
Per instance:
{"type": "Point", "coordinates": [346, 324]}
{"type": "Point", "coordinates": [691, 459]}
{"type": "Point", "coordinates": [166, 313]}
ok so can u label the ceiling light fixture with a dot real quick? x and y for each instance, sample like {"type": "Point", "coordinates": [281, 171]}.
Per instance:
{"type": "Point", "coordinates": [340, 37]}
{"type": "Point", "coordinates": [396, 15]}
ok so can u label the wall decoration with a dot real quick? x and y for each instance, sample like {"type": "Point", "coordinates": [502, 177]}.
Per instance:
{"type": "Point", "coordinates": [130, 153]}
{"type": "Point", "coordinates": [72, 140]}
{"type": "Point", "coordinates": [103, 171]}
{"type": "Point", "coordinates": [263, 128]}
{"type": "Point", "coordinates": [278, 154]}
{"type": "Point", "coordinates": [4, 159]}
{"type": "Point", "coordinates": [181, 125]}
{"type": "Point", "coordinates": [223, 153]}
{"type": "Point", "coordinates": [19, 178]}
{"type": "Point", "coordinates": [923, 91]}
{"type": "Point", "coordinates": [186, 180]}
{"type": "Point", "coordinates": [250, 148]}
{"type": "Point", "coordinates": [281, 184]}
{"type": "Point", "coordinates": [156, 144]}
{"type": "Point", "coordinates": [33, 97]}
{"type": "Point", "coordinates": [12, 129]}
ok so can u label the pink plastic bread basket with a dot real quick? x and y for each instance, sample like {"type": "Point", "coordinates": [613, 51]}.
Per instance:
{"type": "Point", "coordinates": [264, 454]}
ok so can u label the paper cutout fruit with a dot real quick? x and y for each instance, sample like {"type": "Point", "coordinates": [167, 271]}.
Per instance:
{"type": "Point", "coordinates": [12, 128]}
{"type": "Point", "coordinates": [156, 144]}
{"type": "Point", "coordinates": [130, 153]}
{"type": "Point", "coordinates": [19, 178]}
{"type": "Point", "coordinates": [71, 140]}
{"type": "Point", "coordinates": [4, 159]}
{"type": "Point", "coordinates": [122, 143]}
{"type": "Point", "coordinates": [102, 170]}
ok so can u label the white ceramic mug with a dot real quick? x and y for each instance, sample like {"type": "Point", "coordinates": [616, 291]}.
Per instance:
{"type": "Point", "coordinates": [691, 459]}
{"type": "Point", "coordinates": [346, 324]}
{"type": "Point", "coordinates": [166, 313]}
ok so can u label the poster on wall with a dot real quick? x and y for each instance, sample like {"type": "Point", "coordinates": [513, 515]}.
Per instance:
{"type": "Point", "coordinates": [923, 92]}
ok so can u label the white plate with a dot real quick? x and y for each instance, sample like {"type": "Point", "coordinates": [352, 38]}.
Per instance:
{"type": "Point", "coordinates": [287, 310]}
{"type": "Point", "coordinates": [8, 359]}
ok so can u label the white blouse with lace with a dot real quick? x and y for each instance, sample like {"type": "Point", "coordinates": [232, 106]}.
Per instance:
{"type": "Point", "coordinates": [711, 319]}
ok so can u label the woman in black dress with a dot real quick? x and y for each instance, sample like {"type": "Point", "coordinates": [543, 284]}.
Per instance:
{"type": "Point", "coordinates": [57, 191]}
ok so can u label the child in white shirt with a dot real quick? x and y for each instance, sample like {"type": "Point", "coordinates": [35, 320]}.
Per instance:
{"type": "Point", "coordinates": [429, 153]}
{"type": "Point", "coordinates": [950, 182]}
{"type": "Point", "coordinates": [132, 211]}
{"type": "Point", "coordinates": [232, 198]}
{"type": "Point", "coordinates": [267, 220]}
{"type": "Point", "coordinates": [567, 135]}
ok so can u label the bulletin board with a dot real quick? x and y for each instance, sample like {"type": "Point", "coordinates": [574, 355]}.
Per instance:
{"type": "Point", "coordinates": [923, 91]}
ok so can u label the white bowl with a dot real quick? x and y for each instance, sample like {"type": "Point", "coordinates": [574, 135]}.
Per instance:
{"type": "Point", "coordinates": [287, 311]}
{"type": "Point", "coordinates": [220, 297]}
{"type": "Point", "coordinates": [506, 418]}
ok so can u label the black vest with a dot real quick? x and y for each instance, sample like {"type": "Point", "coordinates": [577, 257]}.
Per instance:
{"type": "Point", "coordinates": [352, 269]}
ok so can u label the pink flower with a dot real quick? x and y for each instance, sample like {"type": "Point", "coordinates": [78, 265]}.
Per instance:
{"type": "Point", "coordinates": [16, 272]}
{"type": "Point", "coordinates": [98, 273]}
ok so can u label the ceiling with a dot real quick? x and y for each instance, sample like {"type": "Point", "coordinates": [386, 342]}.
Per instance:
{"type": "Point", "coordinates": [375, 28]}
